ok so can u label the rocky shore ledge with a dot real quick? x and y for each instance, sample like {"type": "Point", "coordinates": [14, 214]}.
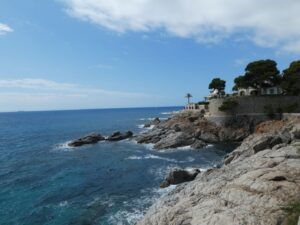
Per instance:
{"type": "Point", "coordinates": [258, 185]}
{"type": "Point", "coordinates": [191, 129]}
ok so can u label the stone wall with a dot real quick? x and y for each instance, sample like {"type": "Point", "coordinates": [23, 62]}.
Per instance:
{"type": "Point", "coordinates": [252, 105]}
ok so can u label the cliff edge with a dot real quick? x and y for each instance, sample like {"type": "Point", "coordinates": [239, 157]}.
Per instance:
{"type": "Point", "coordinates": [260, 184]}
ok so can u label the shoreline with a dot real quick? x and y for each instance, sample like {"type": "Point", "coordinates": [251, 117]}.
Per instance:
{"type": "Point", "coordinates": [267, 161]}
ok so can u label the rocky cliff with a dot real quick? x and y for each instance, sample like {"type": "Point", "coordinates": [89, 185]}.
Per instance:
{"type": "Point", "coordinates": [259, 185]}
{"type": "Point", "coordinates": [191, 129]}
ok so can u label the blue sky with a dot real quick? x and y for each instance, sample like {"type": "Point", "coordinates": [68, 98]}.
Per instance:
{"type": "Point", "coordinates": [75, 54]}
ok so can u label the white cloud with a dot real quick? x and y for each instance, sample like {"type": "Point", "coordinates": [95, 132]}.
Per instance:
{"type": "Point", "coordinates": [4, 29]}
{"type": "Point", "coordinates": [35, 84]}
{"type": "Point", "coordinates": [40, 94]}
{"type": "Point", "coordinates": [268, 23]}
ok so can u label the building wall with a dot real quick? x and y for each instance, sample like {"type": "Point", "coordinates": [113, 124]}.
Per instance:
{"type": "Point", "coordinates": [253, 105]}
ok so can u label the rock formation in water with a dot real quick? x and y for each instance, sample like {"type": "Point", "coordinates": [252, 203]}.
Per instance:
{"type": "Point", "coordinates": [92, 138]}
{"type": "Point", "coordinates": [177, 176]}
{"type": "Point", "coordinates": [118, 136]}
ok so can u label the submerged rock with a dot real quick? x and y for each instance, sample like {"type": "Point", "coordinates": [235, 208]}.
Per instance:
{"type": "Point", "coordinates": [89, 139]}
{"type": "Point", "coordinates": [178, 176]}
{"type": "Point", "coordinates": [118, 136]}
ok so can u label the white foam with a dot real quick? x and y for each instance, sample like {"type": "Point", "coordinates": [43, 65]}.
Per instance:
{"type": "Point", "coordinates": [170, 113]}
{"type": "Point", "coordinates": [63, 204]}
{"type": "Point", "coordinates": [64, 147]}
{"type": "Point", "coordinates": [209, 146]}
{"type": "Point", "coordinates": [137, 207]}
{"type": "Point", "coordinates": [149, 146]}
{"type": "Point", "coordinates": [142, 126]}
{"type": "Point", "coordinates": [124, 217]}
{"type": "Point", "coordinates": [185, 148]}
{"type": "Point", "coordinates": [151, 156]}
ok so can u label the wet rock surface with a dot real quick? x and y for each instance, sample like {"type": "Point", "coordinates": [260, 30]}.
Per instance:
{"type": "Point", "coordinates": [177, 176]}
{"type": "Point", "coordinates": [118, 136]}
{"type": "Point", "coordinates": [92, 138]}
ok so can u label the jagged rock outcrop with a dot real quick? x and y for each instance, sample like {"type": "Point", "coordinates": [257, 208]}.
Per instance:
{"type": "Point", "coordinates": [190, 128]}
{"type": "Point", "coordinates": [118, 136]}
{"type": "Point", "coordinates": [92, 138]}
{"type": "Point", "coordinates": [255, 187]}
{"type": "Point", "coordinates": [154, 122]}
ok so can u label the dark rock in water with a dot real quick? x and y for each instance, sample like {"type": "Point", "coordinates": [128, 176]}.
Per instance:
{"type": "Point", "coordinates": [89, 139]}
{"type": "Point", "coordinates": [118, 136]}
{"type": "Point", "coordinates": [154, 122]}
{"type": "Point", "coordinates": [178, 176]}
{"type": "Point", "coordinates": [147, 125]}
{"type": "Point", "coordinates": [198, 144]}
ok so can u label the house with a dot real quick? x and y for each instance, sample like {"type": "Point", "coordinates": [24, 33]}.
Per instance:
{"type": "Point", "coordinates": [197, 106]}
{"type": "Point", "coordinates": [250, 91]}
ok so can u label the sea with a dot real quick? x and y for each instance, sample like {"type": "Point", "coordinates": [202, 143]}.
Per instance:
{"type": "Point", "coordinates": [45, 182]}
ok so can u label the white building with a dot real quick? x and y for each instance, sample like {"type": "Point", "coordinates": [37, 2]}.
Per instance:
{"type": "Point", "coordinates": [276, 90]}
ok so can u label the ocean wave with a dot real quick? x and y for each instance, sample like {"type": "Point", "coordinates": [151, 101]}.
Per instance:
{"type": "Point", "coordinates": [185, 148]}
{"type": "Point", "coordinates": [64, 147]}
{"type": "Point", "coordinates": [137, 208]}
{"type": "Point", "coordinates": [152, 118]}
{"type": "Point", "coordinates": [63, 204]}
{"type": "Point", "coordinates": [151, 156]}
{"type": "Point", "coordinates": [170, 113]}
{"type": "Point", "coordinates": [142, 126]}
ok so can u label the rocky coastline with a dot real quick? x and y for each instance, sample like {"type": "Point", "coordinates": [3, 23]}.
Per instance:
{"type": "Point", "coordinates": [259, 182]}
{"type": "Point", "coordinates": [190, 128]}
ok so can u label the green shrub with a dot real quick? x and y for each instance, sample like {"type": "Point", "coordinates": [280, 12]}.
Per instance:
{"type": "Point", "coordinates": [228, 105]}
{"type": "Point", "coordinates": [203, 103]}
{"type": "Point", "coordinates": [293, 212]}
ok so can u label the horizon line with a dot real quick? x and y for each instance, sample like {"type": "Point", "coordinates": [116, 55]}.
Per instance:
{"type": "Point", "coordinates": [86, 109]}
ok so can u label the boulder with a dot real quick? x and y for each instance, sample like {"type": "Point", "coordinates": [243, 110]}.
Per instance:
{"type": "Point", "coordinates": [174, 140]}
{"type": "Point", "coordinates": [178, 176]}
{"type": "Point", "coordinates": [118, 136]}
{"type": "Point", "coordinates": [89, 139]}
{"type": "Point", "coordinates": [154, 122]}
{"type": "Point", "coordinates": [208, 137]}
{"type": "Point", "coordinates": [295, 132]}
{"type": "Point", "coordinates": [198, 144]}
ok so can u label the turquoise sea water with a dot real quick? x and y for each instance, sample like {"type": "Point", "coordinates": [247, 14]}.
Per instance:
{"type": "Point", "coordinates": [44, 182]}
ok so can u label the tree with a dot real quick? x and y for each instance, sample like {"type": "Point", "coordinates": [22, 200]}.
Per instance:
{"type": "Point", "coordinates": [188, 96]}
{"type": "Point", "coordinates": [291, 79]}
{"type": "Point", "coordinates": [240, 82]}
{"type": "Point", "coordinates": [259, 74]}
{"type": "Point", "coordinates": [217, 84]}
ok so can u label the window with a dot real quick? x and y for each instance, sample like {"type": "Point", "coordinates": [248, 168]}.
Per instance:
{"type": "Point", "coordinates": [271, 91]}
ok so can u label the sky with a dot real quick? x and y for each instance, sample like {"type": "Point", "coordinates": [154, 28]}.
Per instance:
{"type": "Point", "coordinates": [84, 54]}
